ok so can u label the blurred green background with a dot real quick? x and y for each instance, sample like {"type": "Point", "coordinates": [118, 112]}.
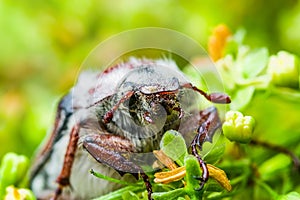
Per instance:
{"type": "Point", "coordinates": [42, 45]}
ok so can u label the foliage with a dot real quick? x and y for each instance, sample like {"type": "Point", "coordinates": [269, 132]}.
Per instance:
{"type": "Point", "coordinates": [262, 168]}
{"type": "Point", "coordinates": [13, 172]}
{"type": "Point", "coordinates": [265, 87]}
{"type": "Point", "coordinates": [43, 44]}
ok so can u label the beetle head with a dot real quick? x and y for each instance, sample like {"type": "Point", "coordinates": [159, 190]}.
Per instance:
{"type": "Point", "coordinates": [155, 108]}
{"type": "Point", "coordinates": [155, 94]}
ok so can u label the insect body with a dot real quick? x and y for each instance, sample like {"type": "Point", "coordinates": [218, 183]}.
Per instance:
{"type": "Point", "coordinates": [110, 115]}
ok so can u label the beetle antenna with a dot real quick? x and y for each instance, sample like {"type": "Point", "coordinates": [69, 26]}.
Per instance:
{"type": "Point", "coordinates": [109, 114]}
{"type": "Point", "coordinates": [212, 97]}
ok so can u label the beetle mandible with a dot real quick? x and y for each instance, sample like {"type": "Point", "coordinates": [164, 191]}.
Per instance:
{"type": "Point", "coordinates": [123, 109]}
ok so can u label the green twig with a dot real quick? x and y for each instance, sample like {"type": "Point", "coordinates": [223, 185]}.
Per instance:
{"type": "Point", "coordinates": [99, 175]}
{"type": "Point", "coordinates": [267, 188]}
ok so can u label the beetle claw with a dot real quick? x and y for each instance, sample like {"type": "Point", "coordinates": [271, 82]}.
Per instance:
{"type": "Point", "coordinates": [199, 178]}
{"type": "Point", "coordinates": [202, 182]}
{"type": "Point", "coordinates": [201, 186]}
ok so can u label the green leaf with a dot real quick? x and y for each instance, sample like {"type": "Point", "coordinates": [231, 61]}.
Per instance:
{"type": "Point", "coordinates": [242, 98]}
{"type": "Point", "coordinates": [226, 69]}
{"type": "Point", "coordinates": [174, 194]}
{"type": "Point", "coordinates": [290, 196]}
{"type": "Point", "coordinates": [13, 170]}
{"type": "Point", "coordinates": [272, 166]}
{"type": "Point", "coordinates": [234, 42]}
{"type": "Point", "coordinates": [255, 62]}
{"type": "Point", "coordinates": [173, 145]}
{"type": "Point", "coordinates": [213, 152]}
{"type": "Point", "coordinates": [117, 195]}
{"type": "Point", "coordinates": [130, 196]}
{"type": "Point", "coordinates": [192, 170]}
{"type": "Point", "coordinates": [99, 175]}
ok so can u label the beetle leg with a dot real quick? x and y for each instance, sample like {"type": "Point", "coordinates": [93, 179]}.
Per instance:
{"type": "Point", "coordinates": [109, 115]}
{"type": "Point", "coordinates": [203, 166]}
{"type": "Point", "coordinates": [212, 97]}
{"type": "Point", "coordinates": [209, 123]}
{"type": "Point", "coordinates": [64, 177]}
{"type": "Point", "coordinates": [111, 150]}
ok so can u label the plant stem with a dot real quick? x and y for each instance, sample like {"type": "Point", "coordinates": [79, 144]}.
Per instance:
{"type": "Point", "coordinates": [278, 148]}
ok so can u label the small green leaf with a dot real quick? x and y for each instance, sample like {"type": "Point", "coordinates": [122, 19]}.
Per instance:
{"type": "Point", "coordinates": [240, 35]}
{"type": "Point", "coordinates": [255, 62]}
{"type": "Point", "coordinates": [273, 165]}
{"type": "Point", "coordinates": [129, 195]}
{"type": "Point", "coordinates": [213, 152]}
{"type": "Point", "coordinates": [6, 176]}
{"type": "Point", "coordinates": [290, 196]}
{"type": "Point", "coordinates": [13, 170]}
{"type": "Point", "coordinates": [117, 195]}
{"type": "Point", "coordinates": [99, 175]}
{"type": "Point", "coordinates": [242, 98]}
{"type": "Point", "coordinates": [226, 69]}
{"type": "Point", "coordinates": [192, 170]}
{"type": "Point", "coordinates": [233, 43]}
{"type": "Point", "coordinates": [173, 145]}
{"type": "Point", "coordinates": [174, 194]}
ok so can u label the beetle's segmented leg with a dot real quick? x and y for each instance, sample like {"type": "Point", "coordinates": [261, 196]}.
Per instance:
{"type": "Point", "coordinates": [64, 177]}
{"type": "Point", "coordinates": [109, 115]}
{"type": "Point", "coordinates": [213, 97]}
{"type": "Point", "coordinates": [147, 184]}
{"type": "Point", "coordinates": [209, 123]}
{"type": "Point", "coordinates": [109, 149]}
{"type": "Point", "coordinates": [205, 174]}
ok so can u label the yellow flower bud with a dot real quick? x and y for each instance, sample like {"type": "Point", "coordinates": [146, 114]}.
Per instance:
{"type": "Point", "coordinates": [237, 127]}
{"type": "Point", "coordinates": [284, 69]}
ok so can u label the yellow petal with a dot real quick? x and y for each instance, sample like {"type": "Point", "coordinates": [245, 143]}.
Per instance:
{"type": "Point", "coordinates": [164, 159]}
{"type": "Point", "coordinates": [220, 176]}
{"type": "Point", "coordinates": [170, 176]}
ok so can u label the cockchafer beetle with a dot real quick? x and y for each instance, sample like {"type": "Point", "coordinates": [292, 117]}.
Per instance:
{"type": "Point", "coordinates": [108, 115]}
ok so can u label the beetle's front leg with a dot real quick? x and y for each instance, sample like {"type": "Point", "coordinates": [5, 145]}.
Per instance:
{"type": "Point", "coordinates": [209, 123]}
{"type": "Point", "coordinates": [64, 177]}
{"type": "Point", "coordinates": [111, 150]}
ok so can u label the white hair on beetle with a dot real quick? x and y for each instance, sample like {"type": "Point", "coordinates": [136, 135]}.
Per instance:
{"type": "Point", "coordinates": [166, 62]}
